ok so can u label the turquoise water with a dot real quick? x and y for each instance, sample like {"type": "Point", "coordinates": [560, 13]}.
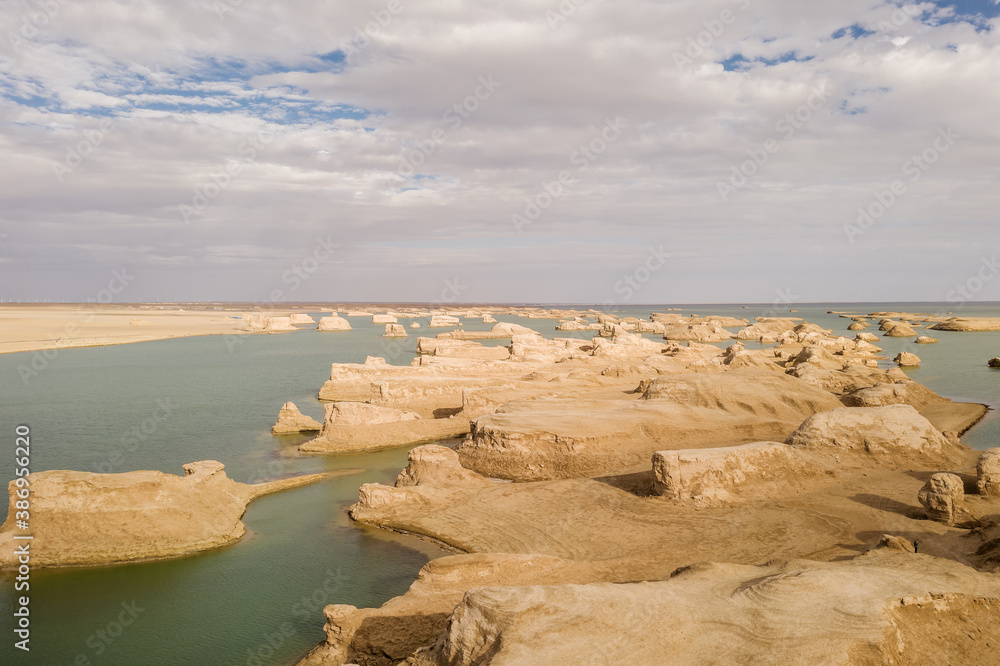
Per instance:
{"type": "Point", "coordinates": [260, 600]}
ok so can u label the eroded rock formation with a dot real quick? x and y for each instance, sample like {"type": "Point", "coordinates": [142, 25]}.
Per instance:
{"type": "Point", "coordinates": [291, 420]}
{"type": "Point", "coordinates": [83, 518]}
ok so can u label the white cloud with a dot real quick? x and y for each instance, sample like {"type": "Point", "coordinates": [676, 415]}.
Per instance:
{"type": "Point", "coordinates": [190, 92]}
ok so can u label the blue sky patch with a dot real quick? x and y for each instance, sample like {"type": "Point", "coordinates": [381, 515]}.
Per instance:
{"type": "Point", "coordinates": [210, 85]}
{"type": "Point", "coordinates": [856, 31]}
{"type": "Point", "coordinates": [738, 62]}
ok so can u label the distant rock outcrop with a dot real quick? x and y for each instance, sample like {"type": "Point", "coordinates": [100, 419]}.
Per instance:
{"type": "Point", "coordinates": [383, 319]}
{"type": "Point", "coordinates": [900, 330]}
{"type": "Point", "coordinates": [261, 323]}
{"type": "Point", "coordinates": [509, 329]}
{"type": "Point", "coordinates": [925, 340]}
{"type": "Point", "coordinates": [698, 333]}
{"type": "Point", "coordinates": [333, 324]}
{"type": "Point", "coordinates": [291, 420]}
{"type": "Point", "coordinates": [302, 318]}
{"type": "Point", "coordinates": [967, 324]}
{"type": "Point", "coordinates": [766, 328]}
{"type": "Point", "coordinates": [394, 331]}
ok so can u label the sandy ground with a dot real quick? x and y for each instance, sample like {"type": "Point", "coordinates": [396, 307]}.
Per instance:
{"type": "Point", "coordinates": [41, 327]}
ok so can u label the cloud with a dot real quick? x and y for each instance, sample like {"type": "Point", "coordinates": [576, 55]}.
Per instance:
{"type": "Point", "coordinates": [275, 124]}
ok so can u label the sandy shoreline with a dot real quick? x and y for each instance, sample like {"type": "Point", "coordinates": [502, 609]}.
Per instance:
{"type": "Point", "coordinates": [43, 327]}
{"type": "Point", "coordinates": [39, 327]}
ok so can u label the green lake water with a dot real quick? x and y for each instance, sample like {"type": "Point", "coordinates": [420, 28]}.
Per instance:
{"type": "Point", "coordinates": [260, 600]}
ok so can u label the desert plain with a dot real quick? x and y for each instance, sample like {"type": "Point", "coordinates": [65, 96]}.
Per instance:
{"type": "Point", "coordinates": [682, 489]}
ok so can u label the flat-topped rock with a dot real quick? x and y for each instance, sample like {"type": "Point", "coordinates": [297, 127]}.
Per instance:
{"type": "Point", "coordinates": [356, 426]}
{"type": "Point", "coordinates": [698, 333]}
{"type": "Point", "coordinates": [394, 331]}
{"type": "Point", "coordinates": [745, 390]}
{"type": "Point", "coordinates": [558, 438]}
{"type": "Point", "coordinates": [333, 324]}
{"type": "Point", "coordinates": [359, 413]}
{"type": "Point", "coordinates": [724, 474]}
{"type": "Point", "coordinates": [894, 430]}
{"type": "Point", "coordinates": [767, 328]}
{"type": "Point", "coordinates": [510, 329]}
{"type": "Point", "coordinates": [260, 323]}
{"type": "Point", "coordinates": [968, 324]}
{"type": "Point", "coordinates": [453, 348]}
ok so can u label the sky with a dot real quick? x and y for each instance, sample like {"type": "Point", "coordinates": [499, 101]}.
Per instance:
{"type": "Point", "coordinates": [573, 151]}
